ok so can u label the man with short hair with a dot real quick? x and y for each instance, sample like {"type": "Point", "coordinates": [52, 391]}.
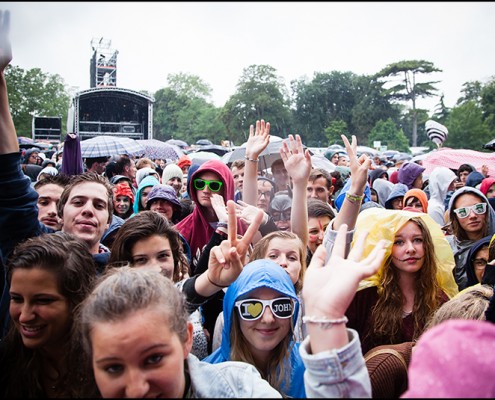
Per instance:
{"type": "Point", "coordinates": [237, 169]}
{"type": "Point", "coordinates": [280, 175]}
{"type": "Point", "coordinates": [320, 185]}
{"type": "Point", "coordinates": [126, 166]}
{"type": "Point", "coordinates": [49, 191]}
{"type": "Point", "coordinates": [266, 190]}
{"type": "Point", "coordinates": [96, 164]}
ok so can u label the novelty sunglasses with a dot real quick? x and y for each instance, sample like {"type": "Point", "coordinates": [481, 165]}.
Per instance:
{"type": "Point", "coordinates": [252, 309]}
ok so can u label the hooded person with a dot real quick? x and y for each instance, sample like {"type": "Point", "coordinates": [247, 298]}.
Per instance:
{"type": "Point", "coordinates": [383, 188]}
{"type": "Point", "coordinates": [474, 179]}
{"type": "Point", "coordinates": [410, 174]}
{"type": "Point", "coordinates": [31, 156]}
{"type": "Point", "coordinates": [440, 182]}
{"type": "Point", "coordinates": [487, 187]}
{"type": "Point", "coordinates": [198, 227]}
{"type": "Point", "coordinates": [122, 207]}
{"type": "Point", "coordinates": [141, 192]}
{"type": "Point", "coordinates": [465, 231]}
{"type": "Point", "coordinates": [473, 278]}
{"type": "Point", "coordinates": [421, 198]}
{"type": "Point", "coordinates": [398, 192]}
{"type": "Point", "coordinates": [163, 199]}
{"type": "Point", "coordinates": [262, 276]}
{"type": "Point", "coordinates": [377, 173]}
{"type": "Point", "coordinates": [144, 172]}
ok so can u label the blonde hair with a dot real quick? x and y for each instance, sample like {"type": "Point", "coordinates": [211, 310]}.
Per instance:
{"type": "Point", "coordinates": [469, 304]}
{"type": "Point", "coordinates": [261, 247]}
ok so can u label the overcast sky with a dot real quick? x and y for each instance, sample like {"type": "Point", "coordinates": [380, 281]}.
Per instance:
{"type": "Point", "coordinates": [217, 40]}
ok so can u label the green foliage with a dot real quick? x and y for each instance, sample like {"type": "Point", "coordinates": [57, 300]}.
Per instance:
{"type": "Point", "coordinates": [488, 104]}
{"type": "Point", "coordinates": [408, 88]}
{"type": "Point", "coordinates": [190, 86]}
{"type": "Point", "coordinates": [333, 132]}
{"type": "Point", "coordinates": [32, 92]}
{"type": "Point", "coordinates": [327, 97]}
{"type": "Point", "coordinates": [471, 91]}
{"type": "Point", "coordinates": [389, 135]}
{"type": "Point", "coordinates": [260, 94]}
{"type": "Point", "coordinates": [467, 129]}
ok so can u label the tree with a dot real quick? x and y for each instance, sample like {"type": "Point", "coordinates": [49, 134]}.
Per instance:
{"type": "Point", "coordinates": [408, 89]}
{"type": "Point", "coordinates": [467, 130]}
{"type": "Point", "coordinates": [333, 132]}
{"type": "Point", "coordinates": [188, 85]}
{"type": "Point", "coordinates": [260, 94]}
{"type": "Point", "coordinates": [326, 98]}
{"type": "Point", "coordinates": [182, 111]}
{"type": "Point", "coordinates": [389, 135]}
{"type": "Point", "coordinates": [32, 92]}
{"type": "Point", "coordinates": [471, 92]}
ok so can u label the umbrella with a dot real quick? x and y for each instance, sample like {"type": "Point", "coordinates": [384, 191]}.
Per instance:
{"type": "Point", "coordinates": [489, 146]}
{"type": "Point", "coordinates": [154, 148]}
{"type": "Point", "coordinates": [106, 146]}
{"type": "Point", "coordinates": [453, 158]}
{"type": "Point", "coordinates": [199, 157]}
{"type": "Point", "coordinates": [214, 148]}
{"type": "Point", "coordinates": [266, 157]}
{"type": "Point", "coordinates": [177, 142]}
{"type": "Point", "coordinates": [320, 161]}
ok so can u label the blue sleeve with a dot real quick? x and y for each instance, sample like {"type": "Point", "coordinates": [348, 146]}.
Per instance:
{"type": "Point", "coordinates": [18, 205]}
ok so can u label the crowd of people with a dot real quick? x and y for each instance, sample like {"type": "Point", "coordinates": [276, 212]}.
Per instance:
{"type": "Point", "coordinates": [138, 277]}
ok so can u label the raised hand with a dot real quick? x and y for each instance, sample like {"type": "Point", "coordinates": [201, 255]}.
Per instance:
{"type": "Point", "coordinates": [258, 139]}
{"type": "Point", "coordinates": [219, 207]}
{"type": "Point", "coordinates": [329, 289]}
{"type": "Point", "coordinates": [359, 166]}
{"type": "Point", "coordinates": [5, 46]}
{"type": "Point", "coordinates": [247, 212]}
{"type": "Point", "coordinates": [297, 161]}
{"type": "Point", "coordinates": [227, 259]}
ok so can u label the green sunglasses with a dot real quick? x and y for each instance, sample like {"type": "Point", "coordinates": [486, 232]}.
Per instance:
{"type": "Point", "coordinates": [214, 186]}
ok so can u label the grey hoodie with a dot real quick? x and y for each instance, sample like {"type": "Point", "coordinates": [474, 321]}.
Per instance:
{"type": "Point", "coordinates": [461, 247]}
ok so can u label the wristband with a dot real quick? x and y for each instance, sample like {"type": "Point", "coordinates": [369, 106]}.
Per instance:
{"type": "Point", "coordinates": [252, 159]}
{"type": "Point", "coordinates": [353, 198]}
{"type": "Point", "coordinates": [324, 322]}
{"type": "Point", "coordinates": [213, 283]}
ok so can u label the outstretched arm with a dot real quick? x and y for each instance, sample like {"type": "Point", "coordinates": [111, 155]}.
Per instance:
{"type": "Point", "coordinates": [297, 162]}
{"type": "Point", "coordinates": [349, 211]}
{"type": "Point", "coordinates": [329, 288]}
{"type": "Point", "coordinates": [256, 143]}
{"type": "Point", "coordinates": [8, 136]}
{"type": "Point", "coordinates": [327, 292]}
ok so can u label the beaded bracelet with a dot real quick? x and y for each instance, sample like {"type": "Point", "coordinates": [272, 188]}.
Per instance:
{"type": "Point", "coordinates": [324, 322]}
{"type": "Point", "coordinates": [215, 284]}
{"type": "Point", "coordinates": [252, 159]}
{"type": "Point", "coordinates": [353, 198]}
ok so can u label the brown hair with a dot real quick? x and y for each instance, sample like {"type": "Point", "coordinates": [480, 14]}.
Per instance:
{"type": "Point", "coordinates": [142, 226]}
{"type": "Point", "coordinates": [457, 229]}
{"type": "Point", "coordinates": [388, 310]}
{"type": "Point", "coordinates": [71, 264]}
